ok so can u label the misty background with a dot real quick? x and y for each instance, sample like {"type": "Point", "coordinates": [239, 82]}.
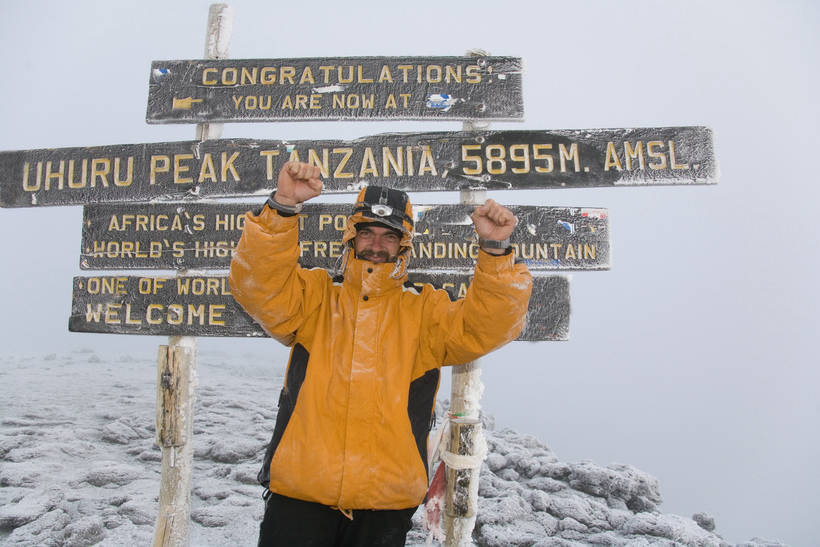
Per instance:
{"type": "Point", "coordinates": [693, 358]}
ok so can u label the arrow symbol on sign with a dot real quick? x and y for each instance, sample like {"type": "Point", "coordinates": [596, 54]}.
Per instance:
{"type": "Point", "coordinates": [184, 104]}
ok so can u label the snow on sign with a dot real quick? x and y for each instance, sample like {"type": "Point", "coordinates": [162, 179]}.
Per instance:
{"type": "Point", "coordinates": [438, 161]}
{"type": "Point", "coordinates": [195, 235]}
{"type": "Point", "coordinates": [204, 306]}
{"type": "Point", "coordinates": [335, 88]}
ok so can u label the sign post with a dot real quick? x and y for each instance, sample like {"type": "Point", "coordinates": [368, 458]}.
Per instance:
{"type": "Point", "coordinates": [176, 376]}
{"type": "Point", "coordinates": [466, 447]}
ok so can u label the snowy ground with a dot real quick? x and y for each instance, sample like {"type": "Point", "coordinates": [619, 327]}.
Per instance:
{"type": "Point", "coordinates": [78, 465]}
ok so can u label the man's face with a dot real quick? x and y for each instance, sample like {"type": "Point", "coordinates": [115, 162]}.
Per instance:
{"type": "Point", "coordinates": [376, 244]}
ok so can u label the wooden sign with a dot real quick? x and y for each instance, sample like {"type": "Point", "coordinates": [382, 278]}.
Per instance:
{"type": "Point", "coordinates": [204, 236]}
{"type": "Point", "coordinates": [204, 306]}
{"type": "Point", "coordinates": [441, 161]}
{"type": "Point", "coordinates": [335, 88]}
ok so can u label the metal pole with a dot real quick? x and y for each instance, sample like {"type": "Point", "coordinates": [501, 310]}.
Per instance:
{"type": "Point", "coordinates": [176, 377]}
{"type": "Point", "coordinates": [466, 446]}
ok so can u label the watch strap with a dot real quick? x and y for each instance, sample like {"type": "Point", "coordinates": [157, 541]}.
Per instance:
{"type": "Point", "coordinates": [281, 207]}
{"type": "Point", "coordinates": [494, 243]}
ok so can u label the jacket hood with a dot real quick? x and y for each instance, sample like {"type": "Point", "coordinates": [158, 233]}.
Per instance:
{"type": "Point", "coordinates": [385, 206]}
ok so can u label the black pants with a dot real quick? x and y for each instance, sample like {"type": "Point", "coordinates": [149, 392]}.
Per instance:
{"type": "Point", "coordinates": [290, 522]}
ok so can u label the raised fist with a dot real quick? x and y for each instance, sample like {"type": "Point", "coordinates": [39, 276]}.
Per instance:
{"type": "Point", "coordinates": [297, 182]}
{"type": "Point", "coordinates": [493, 221]}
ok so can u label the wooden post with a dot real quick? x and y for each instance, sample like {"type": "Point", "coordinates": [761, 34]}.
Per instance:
{"type": "Point", "coordinates": [466, 447]}
{"type": "Point", "coordinates": [175, 408]}
{"type": "Point", "coordinates": [462, 461]}
{"type": "Point", "coordinates": [176, 376]}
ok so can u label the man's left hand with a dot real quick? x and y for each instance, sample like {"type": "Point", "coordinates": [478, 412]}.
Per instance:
{"type": "Point", "coordinates": [493, 221]}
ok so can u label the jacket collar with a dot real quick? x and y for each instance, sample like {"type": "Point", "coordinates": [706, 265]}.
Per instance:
{"type": "Point", "coordinates": [369, 278]}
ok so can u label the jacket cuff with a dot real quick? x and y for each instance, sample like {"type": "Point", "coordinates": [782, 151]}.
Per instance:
{"type": "Point", "coordinates": [271, 220]}
{"type": "Point", "coordinates": [495, 263]}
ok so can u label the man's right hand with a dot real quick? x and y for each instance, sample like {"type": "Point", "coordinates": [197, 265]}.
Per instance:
{"type": "Point", "coordinates": [297, 182]}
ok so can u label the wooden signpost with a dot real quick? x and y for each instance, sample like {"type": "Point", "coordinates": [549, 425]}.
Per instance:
{"type": "Point", "coordinates": [435, 161]}
{"type": "Point", "coordinates": [202, 235]}
{"type": "Point", "coordinates": [144, 208]}
{"type": "Point", "coordinates": [335, 88]}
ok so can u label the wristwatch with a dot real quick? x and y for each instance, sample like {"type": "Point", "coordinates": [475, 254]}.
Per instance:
{"type": "Point", "coordinates": [281, 207]}
{"type": "Point", "coordinates": [494, 243]}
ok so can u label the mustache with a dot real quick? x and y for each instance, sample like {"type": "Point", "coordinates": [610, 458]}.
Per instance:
{"type": "Point", "coordinates": [368, 255]}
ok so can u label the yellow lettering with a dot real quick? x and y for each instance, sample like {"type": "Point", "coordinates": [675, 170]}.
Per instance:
{"type": "Point", "coordinates": [267, 75]}
{"type": "Point", "coordinates": [205, 79]}
{"type": "Point", "coordinates": [179, 169]}
{"type": "Point", "coordinates": [612, 159]}
{"type": "Point", "coordinates": [307, 76]}
{"type": "Point", "coordinates": [227, 165]}
{"type": "Point", "coordinates": [93, 315]}
{"type": "Point", "coordinates": [673, 161]}
{"type": "Point", "coordinates": [634, 153]}
{"type": "Point", "coordinates": [571, 154]}
{"type": "Point", "coordinates": [175, 314]}
{"type": "Point", "coordinates": [345, 79]}
{"type": "Point", "coordinates": [361, 78]}
{"type": "Point", "coordinates": [112, 311]}
{"type": "Point", "coordinates": [149, 311]}
{"type": "Point", "coordinates": [129, 174]}
{"type": "Point", "coordinates": [326, 70]}
{"type": "Point", "coordinates": [339, 172]}
{"type": "Point", "coordinates": [84, 174]}
{"type": "Point", "coordinates": [473, 74]}
{"type": "Point", "coordinates": [652, 153]}
{"type": "Point", "coordinates": [453, 74]}
{"type": "Point", "coordinates": [539, 154]}
{"type": "Point", "coordinates": [389, 160]}
{"type": "Point", "coordinates": [229, 76]}
{"type": "Point", "coordinates": [100, 167]}
{"type": "Point", "coordinates": [427, 163]}
{"type": "Point", "coordinates": [207, 171]}
{"type": "Point", "coordinates": [248, 76]}
{"type": "Point", "coordinates": [215, 314]}
{"type": "Point", "coordinates": [324, 220]}
{"type": "Point", "coordinates": [159, 164]}
{"type": "Point", "coordinates": [287, 73]}
{"type": "Point", "coordinates": [268, 155]}
{"type": "Point", "coordinates": [368, 164]}
{"type": "Point", "coordinates": [385, 75]}
{"type": "Point", "coordinates": [58, 175]}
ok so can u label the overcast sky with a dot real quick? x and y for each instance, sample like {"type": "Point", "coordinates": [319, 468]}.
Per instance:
{"type": "Point", "coordinates": [693, 358]}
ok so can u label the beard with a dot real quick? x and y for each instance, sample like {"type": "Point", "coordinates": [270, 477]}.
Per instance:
{"type": "Point", "coordinates": [376, 256]}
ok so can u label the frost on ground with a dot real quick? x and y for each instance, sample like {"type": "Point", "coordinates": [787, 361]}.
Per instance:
{"type": "Point", "coordinates": [78, 465]}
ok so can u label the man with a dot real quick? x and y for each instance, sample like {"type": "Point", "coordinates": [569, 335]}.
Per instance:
{"type": "Point", "coordinates": [347, 461]}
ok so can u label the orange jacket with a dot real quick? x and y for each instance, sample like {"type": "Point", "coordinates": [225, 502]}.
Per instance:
{"type": "Point", "coordinates": [356, 407]}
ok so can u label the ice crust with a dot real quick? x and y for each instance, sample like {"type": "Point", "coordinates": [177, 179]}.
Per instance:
{"type": "Point", "coordinates": [78, 465]}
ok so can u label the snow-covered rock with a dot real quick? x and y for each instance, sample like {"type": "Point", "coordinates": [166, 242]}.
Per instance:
{"type": "Point", "coordinates": [78, 466]}
{"type": "Point", "coordinates": [528, 497]}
